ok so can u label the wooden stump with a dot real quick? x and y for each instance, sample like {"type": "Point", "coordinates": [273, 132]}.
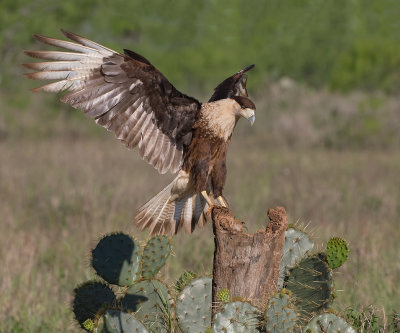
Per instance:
{"type": "Point", "coordinates": [247, 265]}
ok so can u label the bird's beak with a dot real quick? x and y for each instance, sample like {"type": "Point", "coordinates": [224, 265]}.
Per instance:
{"type": "Point", "coordinates": [249, 115]}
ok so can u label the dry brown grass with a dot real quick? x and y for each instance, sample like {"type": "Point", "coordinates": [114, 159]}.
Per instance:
{"type": "Point", "coordinates": [59, 194]}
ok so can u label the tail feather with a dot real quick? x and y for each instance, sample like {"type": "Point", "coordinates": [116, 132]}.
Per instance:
{"type": "Point", "coordinates": [187, 215]}
{"type": "Point", "coordinates": [165, 216]}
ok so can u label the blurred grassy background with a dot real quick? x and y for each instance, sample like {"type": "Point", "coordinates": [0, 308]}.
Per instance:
{"type": "Point", "coordinates": [325, 144]}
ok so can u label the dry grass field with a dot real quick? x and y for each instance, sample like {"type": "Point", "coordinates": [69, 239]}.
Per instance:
{"type": "Point", "coordinates": [332, 161]}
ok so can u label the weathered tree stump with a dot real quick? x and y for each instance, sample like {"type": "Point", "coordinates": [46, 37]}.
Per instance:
{"type": "Point", "coordinates": [247, 265]}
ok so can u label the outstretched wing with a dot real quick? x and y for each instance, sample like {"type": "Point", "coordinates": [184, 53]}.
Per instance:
{"type": "Point", "coordinates": [124, 93]}
{"type": "Point", "coordinates": [234, 85]}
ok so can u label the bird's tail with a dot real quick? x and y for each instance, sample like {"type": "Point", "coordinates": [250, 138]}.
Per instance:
{"type": "Point", "coordinates": [169, 212]}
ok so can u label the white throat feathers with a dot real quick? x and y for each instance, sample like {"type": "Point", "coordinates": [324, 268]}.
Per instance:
{"type": "Point", "coordinates": [221, 117]}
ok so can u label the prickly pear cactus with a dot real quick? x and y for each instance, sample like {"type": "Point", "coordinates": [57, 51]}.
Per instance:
{"type": "Point", "coordinates": [310, 281]}
{"type": "Point", "coordinates": [88, 325]}
{"type": "Point", "coordinates": [184, 280]}
{"type": "Point", "coordinates": [224, 296]}
{"type": "Point", "coordinates": [337, 252]}
{"type": "Point", "coordinates": [193, 306]}
{"type": "Point", "coordinates": [328, 323]}
{"type": "Point", "coordinates": [297, 244]}
{"type": "Point", "coordinates": [237, 317]}
{"type": "Point", "coordinates": [280, 315]}
{"type": "Point", "coordinates": [155, 254]}
{"type": "Point", "coordinates": [116, 258]}
{"type": "Point", "coordinates": [116, 321]}
{"type": "Point", "coordinates": [150, 301]}
{"type": "Point", "coordinates": [89, 299]}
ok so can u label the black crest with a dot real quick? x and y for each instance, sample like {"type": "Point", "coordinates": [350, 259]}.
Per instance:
{"type": "Point", "coordinates": [234, 85]}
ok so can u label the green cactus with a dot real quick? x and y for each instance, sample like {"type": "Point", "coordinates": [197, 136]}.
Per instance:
{"type": "Point", "coordinates": [88, 325]}
{"type": "Point", "coordinates": [310, 281]}
{"type": "Point", "coordinates": [297, 244]}
{"type": "Point", "coordinates": [150, 301]}
{"type": "Point", "coordinates": [89, 299]}
{"type": "Point", "coordinates": [328, 323]}
{"type": "Point", "coordinates": [337, 252]}
{"type": "Point", "coordinates": [280, 315]}
{"type": "Point", "coordinates": [184, 280]}
{"type": "Point", "coordinates": [224, 295]}
{"type": "Point", "coordinates": [193, 306]}
{"type": "Point", "coordinates": [116, 258]}
{"type": "Point", "coordinates": [237, 317]}
{"type": "Point", "coordinates": [116, 321]}
{"type": "Point", "coordinates": [155, 254]}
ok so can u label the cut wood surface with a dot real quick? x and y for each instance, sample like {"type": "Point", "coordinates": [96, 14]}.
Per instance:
{"type": "Point", "coordinates": [247, 265]}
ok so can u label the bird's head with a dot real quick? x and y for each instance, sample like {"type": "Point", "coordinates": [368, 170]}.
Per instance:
{"type": "Point", "coordinates": [247, 108]}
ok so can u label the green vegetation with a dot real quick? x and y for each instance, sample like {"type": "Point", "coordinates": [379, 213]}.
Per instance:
{"type": "Point", "coordinates": [336, 43]}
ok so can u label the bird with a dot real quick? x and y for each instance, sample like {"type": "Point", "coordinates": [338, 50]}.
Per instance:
{"type": "Point", "coordinates": [127, 95]}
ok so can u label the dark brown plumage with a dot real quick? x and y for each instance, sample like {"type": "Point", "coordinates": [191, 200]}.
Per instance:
{"type": "Point", "coordinates": [128, 96]}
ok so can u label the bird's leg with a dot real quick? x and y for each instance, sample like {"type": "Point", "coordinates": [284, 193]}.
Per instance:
{"type": "Point", "coordinates": [222, 201]}
{"type": "Point", "coordinates": [207, 198]}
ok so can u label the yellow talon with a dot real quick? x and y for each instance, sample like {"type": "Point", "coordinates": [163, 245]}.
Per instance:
{"type": "Point", "coordinates": [222, 201]}
{"type": "Point", "coordinates": [210, 209]}
{"type": "Point", "coordinates": [206, 197]}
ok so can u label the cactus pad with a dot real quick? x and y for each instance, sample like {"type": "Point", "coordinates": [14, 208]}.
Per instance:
{"type": "Point", "coordinates": [297, 244]}
{"type": "Point", "coordinates": [150, 301]}
{"type": "Point", "coordinates": [337, 252]}
{"type": "Point", "coordinates": [116, 321]}
{"type": "Point", "coordinates": [193, 306]}
{"type": "Point", "coordinates": [116, 258]}
{"type": "Point", "coordinates": [89, 299]}
{"type": "Point", "coordinates": [310, 281]}
{"type": "Point", "coordinates": [328, 323]}
{"type": "Point", "coordinates": [155, 254]}
{"type": "Point", "coordinates": [237, 317]}
{"type": "Point", "coordinates": [280, 316]}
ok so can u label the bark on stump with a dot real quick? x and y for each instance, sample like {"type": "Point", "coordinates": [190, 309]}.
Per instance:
{"type": "Point", "coordinates": [247, 265]}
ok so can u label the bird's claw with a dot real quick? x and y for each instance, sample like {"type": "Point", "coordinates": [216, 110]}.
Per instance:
{"type": "Point", "coordinates": [209, 210]}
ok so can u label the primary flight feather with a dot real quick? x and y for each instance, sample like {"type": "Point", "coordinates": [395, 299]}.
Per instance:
{"type": "Point", "coordinates": [128, 96]}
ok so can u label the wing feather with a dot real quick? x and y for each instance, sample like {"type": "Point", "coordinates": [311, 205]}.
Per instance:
{"type": "Point", "coordinates": [135, 133]}
{"type": "Point", "coordinates": [124, 93]}
{"type": "Point", "coordinates": [64, 56]}
{"type": "Point", "coordinates": [86, 42]}
{"type": "Point", "coordinates": [69, 45]}
{"type": "Point", "coordinates": [145, 132]}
